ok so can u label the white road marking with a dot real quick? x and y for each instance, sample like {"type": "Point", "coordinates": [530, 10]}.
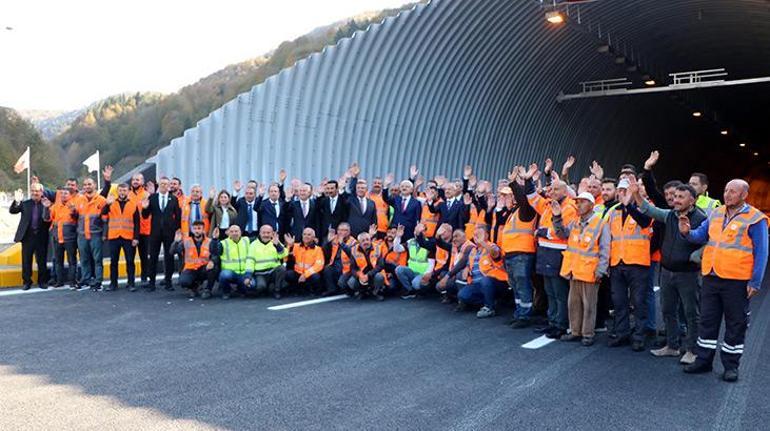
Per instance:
{"type": "Point", "coordinates": [538, 342]}
{"type": "Point", "coordinates": [65, 288]}
{"type": "Point", "coordinates": [309, 302]}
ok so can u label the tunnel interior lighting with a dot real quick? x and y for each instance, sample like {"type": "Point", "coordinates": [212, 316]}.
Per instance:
{"type": "Point", "coordinates": [697, 114]}
{"type": "Point", "coordinates": [756, 154]}
{"type": "Point", "coordinates": [554, 17]}
{"type": "Point", "coordinates": [649, 82]}
{"type": "Point", "coordinates": [723, 132]}
{"type": "Point", "coordinates": [742, 144]}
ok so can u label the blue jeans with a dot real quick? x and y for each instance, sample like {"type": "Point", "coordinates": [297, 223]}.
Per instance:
{"type": "Point", "coordinates": [228, 278]}
{"type": "Point", "coordinates": [408, 278]}
{"type": "Point", "coordinates": [90, 251]}
{"type": "Point", "coordinates": [519, 268]}
{"type": "Point", "coordinates": [557, 290]}
{"type": "Point", "coordinates": [483, 290]}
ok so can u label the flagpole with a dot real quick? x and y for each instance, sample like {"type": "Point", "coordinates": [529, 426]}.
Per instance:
{"type": "Point", "coordinates": [98, 172]}
{"type": "Point", "coordinates": [29, 177]}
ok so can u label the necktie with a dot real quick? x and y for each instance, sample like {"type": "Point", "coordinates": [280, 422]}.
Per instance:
{"type": "Point", "coordinates": [197, 211]}
{"type": "Point", "coordinates": [363, 205]}
{"type": "Point", "coordinates": [333, 203]}
{"type": "Point", "coordinates": [275, 205]}
{"type": "Point", "coordinates": [403, 208]}
{"type": "Point", "coordinates": [304, 209]}
{"type": "Point", "coordinates": [251, 218]}
{"type": "Point", "coordinates": [163, 203]}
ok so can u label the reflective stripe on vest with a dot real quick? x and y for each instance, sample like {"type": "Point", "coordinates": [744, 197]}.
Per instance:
{"type": "Point", "coordinates": [729, 251]}
{"type": "Point", "coordinates": [477, 218]}
{"type": "Point", "coordinates": [488, 266]}
{"type": "Point", "coordinates": [418, 257]}
{"type": "Point", "coordinates": [234, 255]}
{"type": "Point", "coordinates": [192, 259]}
{"type": "Point", "coordinates": [518, 236]}
{"type": "Point", "coordinates": [630, 242]}
{"type": "Point", "coordinates": [121, 221]}
{"type": "Point", "coordinates": [581, 259]}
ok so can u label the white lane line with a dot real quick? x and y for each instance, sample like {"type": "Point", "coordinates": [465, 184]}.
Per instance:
{"type": "Point", "coordinates": [66, 287]}
{"type": "Point", "coordinates": [538, 342]}
{"type": "Point", "coordinates": [309, 302]}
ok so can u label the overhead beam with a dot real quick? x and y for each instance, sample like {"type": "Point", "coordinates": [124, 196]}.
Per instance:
{"type": "Point", "coordinates": [673, 87]}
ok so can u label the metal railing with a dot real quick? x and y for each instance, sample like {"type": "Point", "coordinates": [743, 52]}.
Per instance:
{"type": "Point", "coordinates": [696, 76]}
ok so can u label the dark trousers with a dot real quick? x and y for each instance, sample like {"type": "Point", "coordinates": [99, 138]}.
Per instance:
{"type": "Point", "coordinates": [603, 303]}
{"type": "Point", "coordinates": [69, 249]}
{"type": "Point", "coordinates": [144, 256]}
{"type": "Point", "coordinates": [679, 288]}
{"type": "Point", "coordinates": [728, 298]}
{"type": "Point", "coordinates": [128, 252]}
{"type": "Point", "coordinates": [189, 278]}
{"type": "Point", "coordinates": [334, 280]}
{"type": "Point", "coordinates": [168, 259]}
{"type": "Point", "coordinates": [271, 280]}
{"type": "Point", "coordinates": [34, 244]}
{"type": "Point", "coordinates": [630, 281]}
{"type": "Point", "coordinates": [311, 285]}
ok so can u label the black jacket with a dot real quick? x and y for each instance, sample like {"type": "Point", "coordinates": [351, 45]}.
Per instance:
{"type": "Point", "coordinates": [298, 222]}
{"type": "Point", "coordinates": [676, 250]}
{"type": "Point", "coordinates": [360, 222]}
{"type": "Point", "coordinates": [164, 223]}
{"type": "Point", "coordinates": [243, 213]}
{"type": "Point", "coordinates": [25, 224]}
{"type": "Point", "coordinates": [328, 218]}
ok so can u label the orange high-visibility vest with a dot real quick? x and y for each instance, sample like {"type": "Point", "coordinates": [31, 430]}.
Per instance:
{"type": "Point", "coordinates": [488, 266]}
{"type": "Point", "coordinates": [89, 214]}
{"type": "Point", "coordinates": [543, 207]}
{"type": "Point", "coordinates": [382, 212]}
{"type": "Point", "coordinates": [344, 258]}
{"type": "Point", "coordinates": [360, 256]}
{"type": "Point", "coordinates": [630, 242]}
{"type": "Point", "coordinates": [581, 258]}
{"type": "Point", "coordinates": [477, 218]}
{"type": "Point", "coordinates": [442, 258]}
{"type": "Point", "coordinates": [63, 224]}
{"type": "Point", "coordinates": [518, 236]}
{"type": "Point", "coordinates": [429, 219]}
{"type": "Point", "coordinates": [145, 224]}
{"type": "Point", "coordinates": [395, 258]}
{"type": "Point", "coordinates": [194, 260]}
{"type": "Point", "coordinates": [729, 251]}
{"type": "Point", "coordinates": [121, 221]}
{"type": "Point", "coordinates": [308, 260]}
{"type": "Point", "coordinates": [187, 211]}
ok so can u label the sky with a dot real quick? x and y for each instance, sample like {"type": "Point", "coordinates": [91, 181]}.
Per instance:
{"type": "Point", "coordinates": [64, 55]}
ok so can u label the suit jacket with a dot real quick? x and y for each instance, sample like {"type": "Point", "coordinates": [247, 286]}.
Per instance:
{"type": "Point", "coordinates": [328, 218]}
{"type": "Point", "coordinates": [456, 216]}
{"type": "Point", "coordinates": [360, 222]}
{"type": "Point", "coordinates": [243, 213]}
{"type": "Point", "coordinates": [164, 223]}
{"type": "Point", "coordinates": [25, 223]}
{"type": "Point", "coordinates": [407, 218]}
{"type": "Point", "coordinates": [267, 216]}
{"type": "Point", "coordinates": [298, 223]}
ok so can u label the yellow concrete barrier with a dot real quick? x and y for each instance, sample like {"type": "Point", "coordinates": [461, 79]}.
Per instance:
{"type": "Point", "coordinates": [11, 255]}
{"type": "Point", "coordinates": [10, 274]}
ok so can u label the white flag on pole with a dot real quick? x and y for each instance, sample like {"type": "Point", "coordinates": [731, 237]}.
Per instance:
{"type": "Point", "coordinates": [92, 163]}
{"type": "Point", "coordinates": [22, 163]}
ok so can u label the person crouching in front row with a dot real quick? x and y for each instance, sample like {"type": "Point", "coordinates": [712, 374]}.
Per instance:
{"type": "Point", "coordinates": [308, 262]}
{"type": "Point", "coordinates": [198, 261]}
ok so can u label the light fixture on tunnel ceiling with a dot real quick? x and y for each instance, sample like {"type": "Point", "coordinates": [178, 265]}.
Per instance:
{"type": "Point", "coordinates": [742, 144]}
{"type": "Point", "coordinates": [697, 114]}
{"type": "Point", "coordinates": [649, 82]}
{"type": "Point", "coordinates": [724, 132]}
{"type": "Point", "coordinates": [756, 154]}
{"type": "Point", "coordinates": [554, 17]}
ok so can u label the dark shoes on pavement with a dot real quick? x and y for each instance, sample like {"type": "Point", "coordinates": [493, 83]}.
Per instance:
{"type": "Point", "coordinates": [617, 342]}
{"type": "Point", "coordinates": [698, 368]}
{"type": "Point", "coordinates": [555, 333]}
{"type": "Point", "coordinates": [520, 324]}
{"type": "Point", "coordinates": [730, 375]}
{"type": "Point", "coordinates": [637, 346]}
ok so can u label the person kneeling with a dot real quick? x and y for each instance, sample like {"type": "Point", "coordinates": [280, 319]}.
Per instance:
{"type": "Point", "coordinates": [265, 263]}
{"type": "Point", "coordinates": [233, 254]}
{"type": "Point", "coordinates": [198, 266]}
{"type": "Point", "coordinates": [368, 277]}
{"type": "Point", "coordinates": [308, 259]}
{"type": "Point", "coordinates": [486, 276]}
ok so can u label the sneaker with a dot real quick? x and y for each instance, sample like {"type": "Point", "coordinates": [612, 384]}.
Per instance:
{"type": "Point", "coordinates": [570, 337]}
{"type": "Point", "coordinates": [520, 324]}
{"type": "Point", "coordinates": [75, 286]}
{"type": "Point", "coordinates": [56, 284]}
{"type": "Point", "coordinates": [730, 375]}
{"type": "Point", "coordinates": [96, 287]}
{"type": "Point", "coordinates": [485, 312]}
{"type": "Point", "coordinates": [587, 341]}
{"type": "Point", "coordinates": [460, 306]}
{"type": "Point", "coordinates": [688, 358]}
{"type": "Point", "coordinates": [665, 351]}
{"type": "Point", "coordinates": [43, 286]}
{"type": "Point", "coordinates": [409, 295]}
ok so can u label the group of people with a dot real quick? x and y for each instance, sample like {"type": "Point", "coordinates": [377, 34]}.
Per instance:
{"type": "Point", "coordinates": [586, 251]}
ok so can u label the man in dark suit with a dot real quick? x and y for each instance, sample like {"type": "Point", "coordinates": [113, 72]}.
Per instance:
{"type": "Point", "coordinates": [362, 212]}
{"type": "Point", "coordinates": [32, 233]}
{"type": "Point", "coordinates": [332, 209]}
{"type": "Point", "coordinates": [452, 211]}
{"type": "Point", "coordinates": [406, 209]}
{"type": "Point", "coordinates": [273, 210]}
{"type": "Point", "coordinates": [166, 215]}
{"type": "Point", "coordinates": [303, 212]}
{"type": "Point", "coordinates": [248, 216]}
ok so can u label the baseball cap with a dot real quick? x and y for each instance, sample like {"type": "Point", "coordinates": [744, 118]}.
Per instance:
{"type": "Point", "coordinates": [587, 196]}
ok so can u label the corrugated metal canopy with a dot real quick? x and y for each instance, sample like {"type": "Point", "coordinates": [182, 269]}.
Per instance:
{"type": "Point", "coordinates": [453, 82]}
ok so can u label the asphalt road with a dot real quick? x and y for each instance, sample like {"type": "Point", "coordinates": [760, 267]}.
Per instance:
{"type": "Point", "coordinates": [83, 360]}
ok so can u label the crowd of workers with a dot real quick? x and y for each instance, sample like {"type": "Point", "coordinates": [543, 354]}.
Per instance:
{"type": "Point", "coordinates": [590, 251]}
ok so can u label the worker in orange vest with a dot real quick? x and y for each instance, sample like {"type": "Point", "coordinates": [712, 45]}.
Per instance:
{"type": "Point", "coordinates": [392, 258]}
{"type": "Point", "coordinates": [383, 209]}
{"type": "Point", "coordinates": [137, 194]}
{"type": "Point", "coordinates": [585, 263]}
{"type": "Point", "coordinates": [550, 247]}
{"type": "Point", "coordinates": [733, 266]}
{"type": "Point", "coordinates": [123, 220]}
{"type": "Point", "coordinates": [308, 261]}
{"type": "Point", "coordinates": [368, 275]}
{"type": "Point", "coordinates": [486, 276]}
{"type": "Point", "coordinates": [198, 263]}
{"type": "Point", "coordinates": [88, 208]}
{"type": "Point", "coordinates": [440, 253]}
{"type": "Point", "coordinates": [194, 209]}
{"type": "Point", "coordinates": [630, 232]}
{"type": "Point", "coordinates": [455, 275]}
{"type": "Point", "coordinates": [338, 269]}
{"type": "Point", "coordinates": [64, 228]}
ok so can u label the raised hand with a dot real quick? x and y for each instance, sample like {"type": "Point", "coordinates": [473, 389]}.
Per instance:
{"type": "Point", "coordinates": [530, 174]}
{"type": "Point", "coordinates": [282, 176]}
{"type": "Point", "coordinates": [275, 239]}
{"type": "Point", "coordinates": [651, 161]}
{"type": "Point", "coordinates": [388, 180]}
{"type": "Point", "coordinates": [513, 174]}
{"type": "Point", "coordinates": [110, 199]}
{"type": "Point", "coordinates": [237, 186]}
{"type": "Point", "coordinates": [413, 171]}
{"type": "Point", "coordinates": [472, 181]}
{"type": "Point", "coordinates": [34, 179]}
{"type": "Point", "coordinates": [289, 240]}
{"type": "Point", "coordinates": [331, 236]}
{"type": "Point", "coordinates": [400, 231]}
{"type": "Point", "coordinates": [46, 203]}
{"type": "Point", "coordinates": [261, 189]}
{"type": "Point", "coordinates": [145, 203]}
{"type": "Point", "coordinates": [440, 180]}
{"type": "Point", "coordinates": [420, 180]}
{"type": "Point", "coordinates": [372, 230]}
{"type": "Point", "coordinates": [178, 236]}
{"type": "Point", "coordinates": [597, 170]}
{"type": "Point", "coordinates": [548, 165]}
{"type": "Point", "coordinates": [568, 164]}
{"type": "Point", "coordinates": [684, 224]}
{"type": "Point", "coordinates": [355, 170]}
{"type": "Point", "coordinates": [419, 229]}
{"type": "Point", "coordinates": [555, 207]}
{"type": "Point", "coordinates": [467, 171]}
{"type": "Point", "coordinates": [107, 173]}
{"type": "Point", "coordinates": [212, 193]}
{"type": "Point", "coordinates": [18, 195]}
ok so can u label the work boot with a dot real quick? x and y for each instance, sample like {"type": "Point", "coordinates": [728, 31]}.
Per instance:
{"type": "Point", "coordinates": [665, 351]}
{"type": "Point", "coordinates": [688, 358]}
{"type": "Point", "coordinates": [27, 287]}
{"type": "Point", "coordinates": [730, 375]}
{"type": "Point", "coordinates": [698, 368]}
{"type": "Point", "coordinates": [485, 312]}
{"type": "Point", "coordinates": [587, 341]}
